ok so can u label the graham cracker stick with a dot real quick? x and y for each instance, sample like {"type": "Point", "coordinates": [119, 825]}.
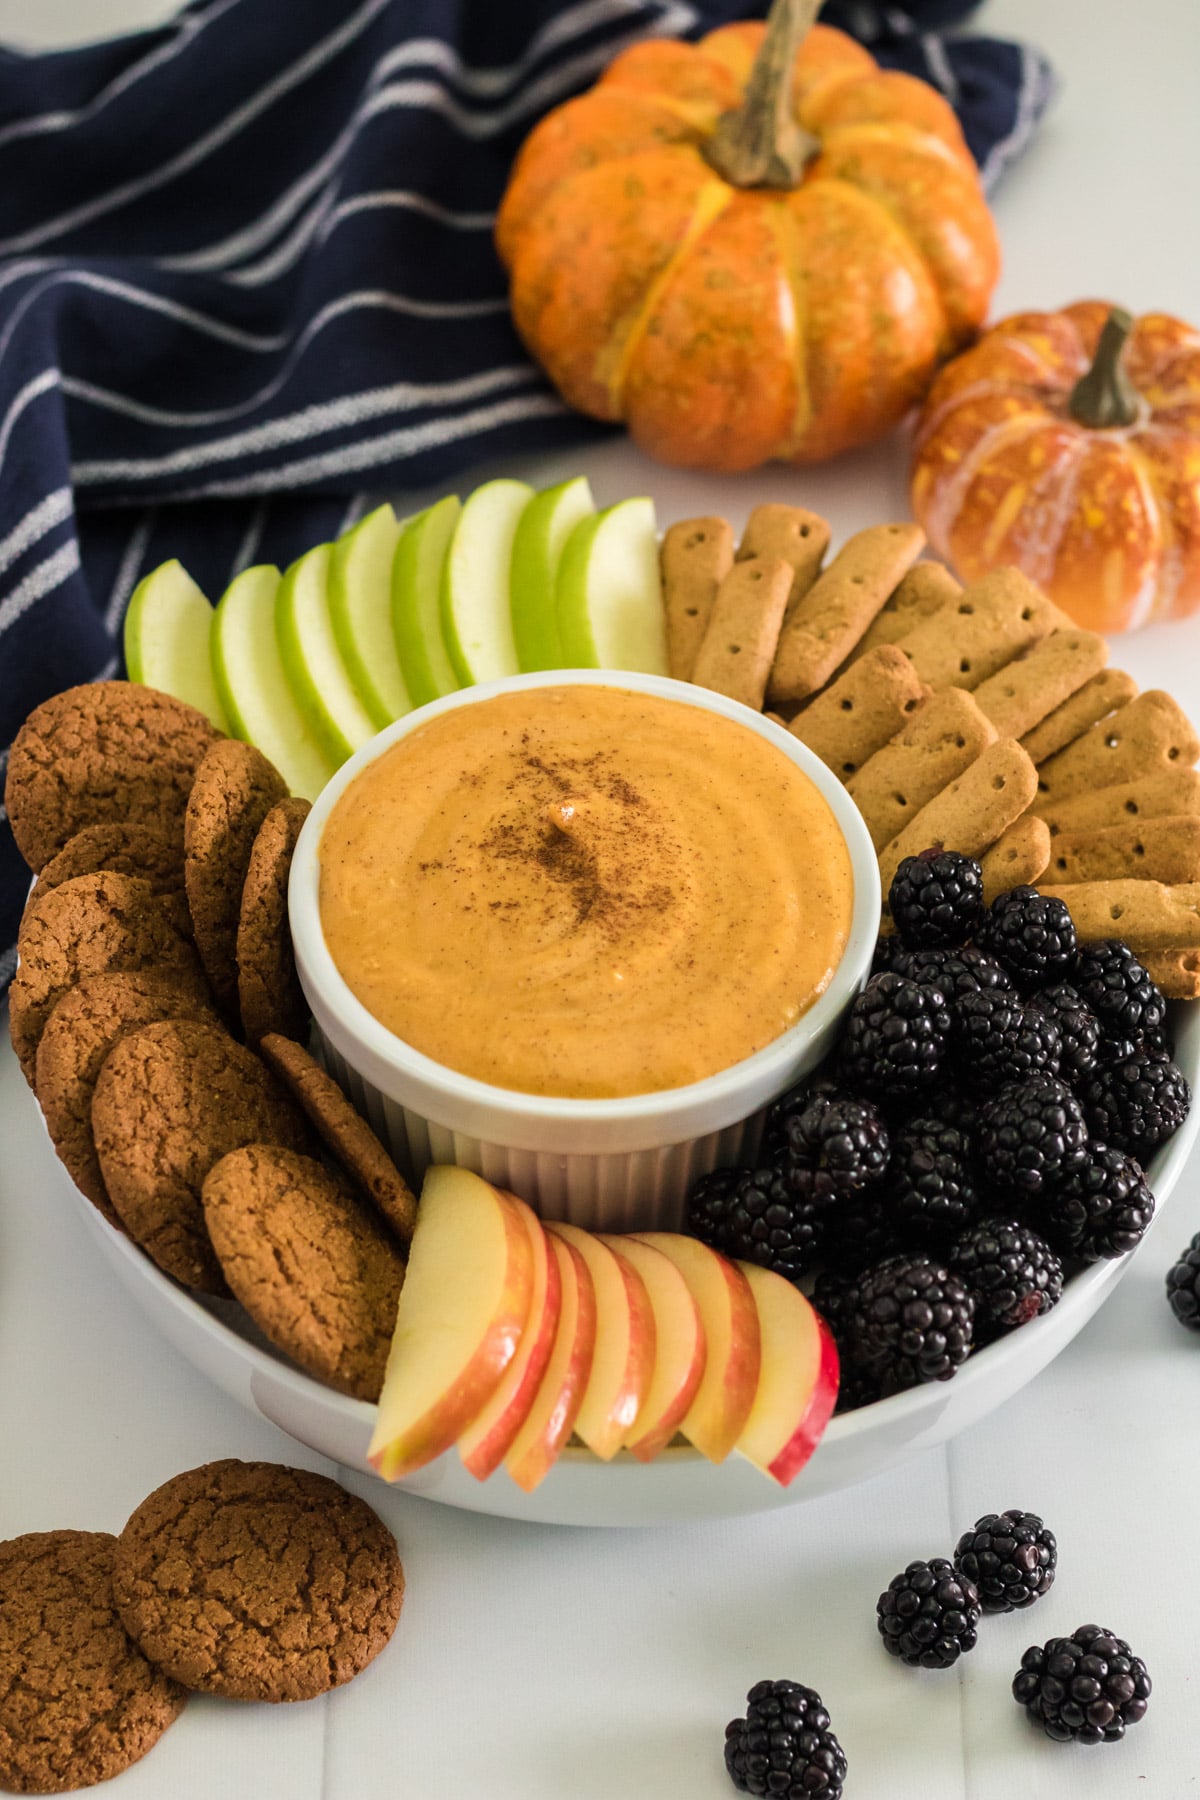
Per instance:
{"type": "Point", "coordinates": [1150, 736]}
{"type": "Point", "coordinates": [735, 654]}
{"type": "Point", "coordinates": [993, 620]}
{"type": "Point", "coordinates": [1177, 972]}
{"type": "Point", "coordinates": [1166, 850]}
{"type": "Point", "coordinates": [942, 739]}
{"type": "Point", "coordinates": [1018, 856]}
{"type": "Point", "coordinates": [1154, 797]}
{"type": "Point", "coordinates": [1094, 700]}
{"type": "Point", "coordinates": [972, 812]}
{"type": "Point", "coordinates": [1019, 696]}
{"type": "Point", "coordinates": [696, 556]}
{"type": "Point", "coordinates": [859, 712]}
{"type": "Point", "coordinates": [1148, 915]}
{"type": "Point", "coordinates": [824, 626]}
{"type": "Point", "coordinates": [925, 590]}
{"type": "Point", "coordinates": [800, 537]}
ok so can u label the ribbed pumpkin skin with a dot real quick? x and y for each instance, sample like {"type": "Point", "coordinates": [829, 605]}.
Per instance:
{"type": "Point", "coordinates": [728, 326]}
{"type": "Point", "coordinates": [1107, 522]}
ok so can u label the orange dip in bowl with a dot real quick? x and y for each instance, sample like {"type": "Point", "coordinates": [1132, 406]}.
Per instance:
{"type": "Point", "coordinates": [584, 891]}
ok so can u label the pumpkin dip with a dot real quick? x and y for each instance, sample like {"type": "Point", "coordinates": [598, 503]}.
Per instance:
{"type": "Point", "coordinates": [584, 891]}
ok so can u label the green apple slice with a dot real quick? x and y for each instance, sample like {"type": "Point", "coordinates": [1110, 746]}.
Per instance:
{"type": "Point", "coordinates": [360, 605]}
{"type": "Point", "coordinates": [253, 688]}
{"type": "Point", "coordinates": [416, 601]}
{"type": "Point", "coordinates": [168, 626]}
{"type": "Point", "coordinates": [542, 530]}
{"type": "Point", "coordinates": [312, 661]}
{"type": "Point", "coordinates": [476, 612]}
{"type": "Point", "coordinates": [610, 606]}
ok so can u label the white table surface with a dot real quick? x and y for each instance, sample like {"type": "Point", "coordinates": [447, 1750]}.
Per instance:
{"type": "Point", "coordinates": [536, 1663]}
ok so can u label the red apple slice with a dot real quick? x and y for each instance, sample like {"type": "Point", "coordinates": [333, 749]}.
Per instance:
{"type": "Point", "coordinates": [485, 1441]}
{"type": "Point", "coordinates": [462, 1310]}
{"type": "Point", "coordinates": [679, 1347]}
{"type": "Point", "coordinates": [718, 1413]}
{"type": "Point", "coordinates": [551, 1418]}
{"type": "Point", "coordinates": [797, 1383]}
{"type": "Point", "coordinates": [624, 1356]}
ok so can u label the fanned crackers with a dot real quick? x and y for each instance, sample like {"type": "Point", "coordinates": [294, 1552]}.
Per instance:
{"type": "Point", "coordinates": [696, 556]}
{"type": "Point", "coordinates": [940, 742]}
{"type": "Point", "coordinates": [823, 628]}
{"type": "Point", "coordinates": [861, 711]}
{"type": "Point", "coordinates": [735, 655]}
{"type": "Point", "coordinates": [973, 811]}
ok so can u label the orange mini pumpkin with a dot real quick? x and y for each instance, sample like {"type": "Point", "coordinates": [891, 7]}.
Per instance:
{"type": "Point", "coordinates": [1068, 443]}
{"type": "Point", "coordinates": [750, 247]}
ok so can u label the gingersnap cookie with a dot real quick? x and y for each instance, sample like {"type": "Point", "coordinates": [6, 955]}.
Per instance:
{"type": "Point", "coordinates": [107, 750]}
{"type": "Point", "coordinates": [346, 1132]}
{"type": "Point", "coordinates": [310, 1265]}
{"type": "Point", "coordinates": [122, 847]}
{"type": "Point", "coordinates": [234, 790]}
{"type": "Point", "coordinates": [90, 924]}
{"type": "Point", "coordinates": [79, 1702]}
{"type": "Point", "coordinates": [269, 993]}
{"type": "Point", "coordinates": [89, 1019]}
{"type": "Point", "coordinates": [258, 1581]}
{"type": "Point", "coordinates": [171, 1100]}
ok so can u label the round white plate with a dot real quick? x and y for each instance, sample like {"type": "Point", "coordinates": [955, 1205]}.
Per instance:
{"type": "Point", "coordinates": [216, 1338]}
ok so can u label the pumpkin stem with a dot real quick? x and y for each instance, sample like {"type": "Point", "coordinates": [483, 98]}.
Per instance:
{"type": "Point", "coordinates": [1105, 396]}
{"type": "Point", "coordinates": [759, 144]}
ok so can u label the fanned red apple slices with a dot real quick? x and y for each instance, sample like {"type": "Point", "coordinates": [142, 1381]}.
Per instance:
{"type": "Point", "coordinates": [510, 1336]}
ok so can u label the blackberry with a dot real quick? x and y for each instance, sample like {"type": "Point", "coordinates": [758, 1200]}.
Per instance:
{"type": "Point", "coordinates": [760, 1215]}
{"type": "Point", "coordinates": [859, 1231]}
{"type": "Point", "coordinates": [1136, 1104]}
{"type": "Point", "coordinates": [912, 1321]}
{"type": "Point", "coordinates": [1031, 1135]}
{"type": "Point", "coordinates": [790, 1105]}
{"type": "Point", "coordinates": [1154, 1046]}
{"type": "Point", "coordinates": [954, 972]}
{"type": "Point", "coordinates": [1013, 1273]}
{"type": "Point", "coordinates": [1183, 1286]}
{"type": "Point", "coordinates": [784, 1746]}
{"type": "Point", "coordinates": [835, 1296]}
{"type": "Point", "coordinates": [997, 1038]}
{"type": "Point", "coordinates": [1118, 988]}
{"type": "Point", "coordinates": [1010, 1558]}
{"type": "Point", "coordinates": [931, 1192]}
{"type": "Point", "coordinates": [929, 1615]}
{"type": "Point", "coordinates": [1078, 1027]}
{"type": "Point", "coordinates": [1031, 935]}
{"type": "Point", "coordinates": [936, 899]}
{"type": "Point", "coordinates": [895, 1038]}
{"type": "Point", "coordinates": [1102, 1210]}
{"type": "Point", "coordinates": [841, 1145]}
{"type": "Point", "coordinates": [1088, 1687]}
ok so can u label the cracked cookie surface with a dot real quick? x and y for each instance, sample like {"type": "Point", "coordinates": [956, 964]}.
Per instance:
{"type": "Point", "coordinates": [269, 994]}
{"type": "Point", "coordinates": [258, 1581]}
{"type": "Point", "coordinates": [234, 790]}
{"type": "Point", "coordinates": [78, 1700]}
{"type": "Point", "coordinates": [153, 853]}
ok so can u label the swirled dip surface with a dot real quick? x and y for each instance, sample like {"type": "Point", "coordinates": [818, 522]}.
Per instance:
{"type": "Point", "coordinates": [584, 891]}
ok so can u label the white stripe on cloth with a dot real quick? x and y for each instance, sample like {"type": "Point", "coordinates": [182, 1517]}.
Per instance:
{"type": "Point", "coordinates": [47, 382]}
{"type": "Point", "coordinates": [353, 513]}
{"type": "Point", "coordinates": [48, 575]}
{"type": "Point", "coordinates": [8, 961]}
{"type": "Point", "coordinates": [402, 197]}
{"type": "Point", "coordinates": [128, 572]}
{"type": "Point", "coordinates": [37, 522]}
{"type": "Point", "coordinates": [939, 66]}
{"type": "Point", "coordinates": [1036, 91]}
{"type": "Point", "coordinates": [247, 550]}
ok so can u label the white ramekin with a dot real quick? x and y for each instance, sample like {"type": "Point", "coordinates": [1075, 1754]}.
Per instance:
{"type": "Point", "coordinates": [612, 1165]}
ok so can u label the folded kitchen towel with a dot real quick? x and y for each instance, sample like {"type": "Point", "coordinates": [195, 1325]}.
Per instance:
{"type": "Point", "coordinates": [246, 272]}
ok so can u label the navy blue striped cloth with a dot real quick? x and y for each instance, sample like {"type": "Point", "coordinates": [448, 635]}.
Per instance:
{"type": "Point", "coordinates": [246, 273]}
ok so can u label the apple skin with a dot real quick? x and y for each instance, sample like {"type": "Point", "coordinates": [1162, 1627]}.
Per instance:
{"type": "Point", "coordinates": [551, 1418]}
{"type": "Point", "coordinates": [168, 640]}
{"type": "Point", "coordinates": [798, 1382]}
{"type": "Point", "coordinates": [608, 595]}
{"type": "Point", "coordinates": [542, 531]}
{"type": "Point", "coordinates": [360, 607]}
{"type": "Point", "coordinates": [416, 590]}
{"type": "Point", "coordinates": [809, 1432]}
{"type": "Point", "coordinates": [718, 1413]}
{"type": "Point", "coordinates": [623, 1361]}
{"type": "Point", "coordinates": [462, 1310]}
{"type": "Point", "coordinates": [680, 1347]}
{"type": "Point", "coordinates": [253, 689]}
{"type": "Point", "coordinates": [487, 1439]}
{"type": "Point", "coordinates": [475, 602]}
{"type": "Point", "coordinates": [312, 661]}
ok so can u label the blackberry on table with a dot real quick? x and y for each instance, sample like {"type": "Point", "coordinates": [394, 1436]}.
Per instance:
{"type": "Point", "coordinates": [895, 1037]}
{"type": "Point", "coordinates": [1183, 1286]}
{"type": "Point", "coordinates": [842, 1144]}
{"type": "Point", "coordinates": [1087, 1687]}
{"type": "Point", "coordinates": [784, 1746]}
{"type": "Point", "coordinates": [1031, 934]}
{"type": "Point", "coordinates": [1009, 1558]}
{"type": "Point", "coordinates": [1031, 1136]}
{"type": "Point", "coordinates": [763, 1216]}
{"type": "Point", "coordinates": [1013, 1273]}
{"type": "Point", "coordinates": [954, 972]}
{"type": "Point", "coordinates": [931, 1191]}
{"type": "Point", "coordinates": [1136, 1104]}
{"type": "Point", "coordinates": [997, 1038]}
{"type": "Point", "coordinates": [936, 899]}
{"type": "Point", "coordinates": [912, 1321]}
{"type": "Point", "coordinates": [1118, 988]}
{"type": "Point", "coordinates": [1078, 1029]}
{"type": "Point", "coordinates": [929, 1615]}
{"type": "Point", "coordinates": [1102, 1210]}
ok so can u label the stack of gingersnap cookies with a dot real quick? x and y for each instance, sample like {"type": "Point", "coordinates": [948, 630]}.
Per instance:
{"type": "Point", "coordinates": [158, 1016]}
{"type": "Point", "coordinates": [981, 718]}
{"type": "Point", "coordinates": [248, 1580]}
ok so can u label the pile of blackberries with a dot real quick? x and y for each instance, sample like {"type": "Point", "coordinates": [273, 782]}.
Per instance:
{"type": "Point", "coordinates": [979, 1132]}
